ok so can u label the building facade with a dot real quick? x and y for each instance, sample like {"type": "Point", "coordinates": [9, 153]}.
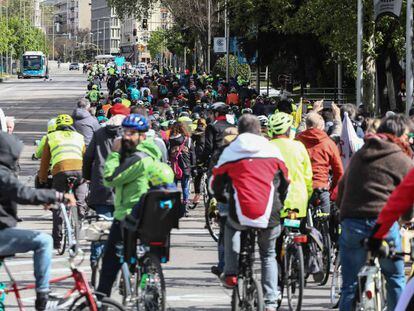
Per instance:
{"type": "Point", "coordinates": [105, 27]}
{"type": "Point", "coordinates": [136, 33]}
{"type": "Point", "coordinates": [72, 16]}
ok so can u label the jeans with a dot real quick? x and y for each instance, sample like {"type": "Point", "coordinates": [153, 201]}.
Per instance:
{"type": "Point", "coordinates": [97, 248]}
{"type": "Point", "coordinates": [13, 240]}
{"type": "Point", "coordinates": [60, 183]}
{"type": "Point", "coordinates": [185, 186]}
{"type": "Point", "coordinates": [353, 257]}
{"type": "Point", "coordinates": [111, 263]}
{"type": "Point", "coordinates": [267, 249]}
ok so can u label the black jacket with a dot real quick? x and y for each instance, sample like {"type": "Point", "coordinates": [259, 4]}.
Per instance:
{"type": "Point", "coordinates": [94, 161]}
{"type": "Point", "coordinates": [199, 140]}
{"type": "Point", "coordinates": [187, 160]}
{"type": "Point", "coordinates": [12, 191]}
{"type": "Point", "coordinates": [214, 139]}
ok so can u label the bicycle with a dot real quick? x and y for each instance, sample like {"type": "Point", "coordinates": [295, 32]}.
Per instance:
{"type": "Point", "coordinates": [370, 291]}
{"type": "Point", "coordinates": [319, 220]}
{"type": "Point", "coordinates": [336, 280]}
{"type": "Point", "coordinates": [293, 271]}
{"type": "Point", "coordinates": [211, 213]}
{"type": "Point", "coordinates": [248, 293]}
{"type": "Point", "coordinates": [72, 214]}
{"type": "Point", "coordinates": [86, 299]}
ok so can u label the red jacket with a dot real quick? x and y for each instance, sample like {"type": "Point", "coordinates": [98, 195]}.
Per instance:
{"type": "Point", "coordinates": [324, 155]}
{"type": "Point", "coordinates": [232, 99]}
{"type": "Point", "coordinates": [400, 202]}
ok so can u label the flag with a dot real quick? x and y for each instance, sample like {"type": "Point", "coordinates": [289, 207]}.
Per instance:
{"type": "Point", "coordinates": [298, 115]}
{"type": "Point", "coordinates": [350, 142]}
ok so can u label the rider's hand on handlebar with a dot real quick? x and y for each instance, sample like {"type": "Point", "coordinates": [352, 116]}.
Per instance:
{"type": "Point", "coordinates": [377, 247]}
{"type": "Point", "coordinates": [70, 199]}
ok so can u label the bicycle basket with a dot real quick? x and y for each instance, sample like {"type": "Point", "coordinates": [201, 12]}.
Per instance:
{"type": "Point", "coordinates": [96, 231]}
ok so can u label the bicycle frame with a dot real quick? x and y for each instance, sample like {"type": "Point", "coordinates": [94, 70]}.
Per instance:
{"type": "Point", "coordinates": [81, 283]}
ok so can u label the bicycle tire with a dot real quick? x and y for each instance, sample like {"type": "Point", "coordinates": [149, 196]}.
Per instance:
{"type": "Point", "coordinates": [63, 243]}
{"type": "Point", "coordinates": [326, 252]}
{"type": "Point", "coordinates": [211, 220]}
{"type": "Point", "coordinates": [204, 189]}
{"type": "Point", "coordinates": [154, 285]}
{"type": "Point", "coordinates": [96, 273]}
{"type": "Point", "coordinates": [246, 305]}
{"type": "Point", "coordinates": [336, 283]}
{"type": "Point", "coordinates": [294, 276]}
{"type": "Point", "coordinates": [106, 304]}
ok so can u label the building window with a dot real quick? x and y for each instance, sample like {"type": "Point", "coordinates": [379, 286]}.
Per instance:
{"type": "Point", "coordinates": [164, 15]}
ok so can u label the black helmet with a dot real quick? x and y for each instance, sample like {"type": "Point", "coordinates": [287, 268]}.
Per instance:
{"type": "Point", "coordinates": [195, 116]}
{"type": "Point", "coordinates": [220, 107]}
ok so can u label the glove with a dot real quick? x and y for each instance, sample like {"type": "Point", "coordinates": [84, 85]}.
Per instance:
{"type": "Point", "coordinates": [378, 248]}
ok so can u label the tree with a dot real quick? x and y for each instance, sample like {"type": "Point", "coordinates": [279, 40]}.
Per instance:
{"type": "Point", "coordinates": [156, 42]}
{"type": "Point", "coordinates": [235, 68]}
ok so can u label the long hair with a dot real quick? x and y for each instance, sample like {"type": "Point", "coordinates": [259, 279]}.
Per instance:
{"type": "Point", "coordinates": [179, 128]}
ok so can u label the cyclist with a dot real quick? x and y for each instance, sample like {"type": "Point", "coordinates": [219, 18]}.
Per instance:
{"type": "Point", "coordinates": [63, 153]}
{"type": "Point", "coordinates": [94, 96]}
{"type": "Point", "coordinates": [372, 175]}
{"type": "Point", "coordinates": [252, 161]}
{"type": "Point", "coordinates": [13, 240]}
{"type": "Point", "coordinates": [324, 155]}
{"type": "Point", "coordinates": [83, 122]}
{"type": "Point", "coordinates": [126, 170]}
{"type": "Point", "coordinates": [51, 127]}
{"type": "Point", "coordinates": [215, 131]}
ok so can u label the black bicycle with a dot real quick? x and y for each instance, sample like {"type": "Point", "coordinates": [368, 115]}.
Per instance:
{"type": "Point", "coordinates": [292, 272]}
{"type": "Point", "coordinates": [248, 293]}
{"type": "Point", "coordinates": [320, 249]}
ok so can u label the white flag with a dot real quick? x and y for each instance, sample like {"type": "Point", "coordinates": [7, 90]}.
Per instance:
{"type": "Point", "coordinates": [350, 142]}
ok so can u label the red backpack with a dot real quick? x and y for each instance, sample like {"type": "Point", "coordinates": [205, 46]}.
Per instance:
{"type": "Point", "coordinates": [174, 159]}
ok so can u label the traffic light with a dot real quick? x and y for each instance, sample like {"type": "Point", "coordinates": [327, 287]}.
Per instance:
{"type": "Point", "coordinates": [145, 23]}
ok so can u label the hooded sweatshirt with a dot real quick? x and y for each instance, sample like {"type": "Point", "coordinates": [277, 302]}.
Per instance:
{"type": "Point", "coordinates": [85, 124]}
{"type": "Point", "coordinates": [12, 191]}
{"type": "Point", "coordinates": [324, 156]}
{"type": "Point", "coordinates": [253, 171]}
{"type": "Point", "coordinates": [372, 175]}
{"type": "Point", "coordinates": [94, 161]}
{"type": "Point", "coordinates": [130, 177]}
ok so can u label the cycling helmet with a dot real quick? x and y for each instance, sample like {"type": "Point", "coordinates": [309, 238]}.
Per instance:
{"type": "Point", "coordinates": [184, 119]}
{"type": "Point", "coordinates": [279, 123]}
{"type": "Point", "coordinates": [136, 122]}
{"type": "Point", "coordinates": [263, 120]}
{"type": "Point", "coordinates": [247, 110]}
{"type": "Point", "coordinates": [161, 174]}
{"type": "Point", "coordinates": [169, 115]}
{"type": "Point", "coordinates": [166, 101]}
{"type": "Point", "coordinates": [195, 116]}
{"type": "Point", "coordinates": [64, 120]}
{"type": "Point", "coordinates": [94, 87]}
{"type": "Point", "coordinates": [51, 125]}
{"type": "Point", "coordinates": [220, 107]}
{"type": "Point", "coordinates": [140, 103]}
{"type": "Point", "coordinates": [184, 114]}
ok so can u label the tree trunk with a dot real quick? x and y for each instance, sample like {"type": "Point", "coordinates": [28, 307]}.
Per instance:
{"type": "Point", "coordinates": [368, 98]}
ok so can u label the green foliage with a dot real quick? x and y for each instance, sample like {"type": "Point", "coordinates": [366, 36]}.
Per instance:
{"type": "Point", "coordinates": [137, 8]}
{"type": "Point", "coordinates": [235, 68]}
{"type": "Point", "coordinates": [156, 42]}
{"type": "Point", "coordinates": [5, 34]}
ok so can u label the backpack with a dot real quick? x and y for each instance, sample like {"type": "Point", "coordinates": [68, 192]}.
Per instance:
{"type": "Point", "coordinates": [175, 159]}
{"type": "Point", "coordinates": [163, 90]}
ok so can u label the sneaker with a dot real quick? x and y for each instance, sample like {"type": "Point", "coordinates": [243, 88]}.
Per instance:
{"type": "Point", "coordinates": [228, 281]}
{"type": "Point", "coordinates": [41, 300]}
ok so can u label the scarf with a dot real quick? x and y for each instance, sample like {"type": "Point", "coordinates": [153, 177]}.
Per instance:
{"type": "Point", "coordinates": [404, 146]}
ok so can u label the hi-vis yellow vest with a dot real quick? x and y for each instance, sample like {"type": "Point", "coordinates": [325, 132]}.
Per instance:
{"type": "Point", "coordinates": [65, 145]}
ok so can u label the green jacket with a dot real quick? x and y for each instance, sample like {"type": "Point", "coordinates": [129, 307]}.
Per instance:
{"type": "Point", "coordinates": [130, 178]}
{"type": "Point", "coordinates": [300, 175]}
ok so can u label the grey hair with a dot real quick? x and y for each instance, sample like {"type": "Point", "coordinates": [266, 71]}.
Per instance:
{"type": "Point", "coordinates": [249, 123]}
{"type": "Point", "coordinates": [84, 104]}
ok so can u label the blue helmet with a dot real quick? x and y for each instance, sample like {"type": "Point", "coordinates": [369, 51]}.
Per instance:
{"type": "Point", "coordinates": [136, 122]}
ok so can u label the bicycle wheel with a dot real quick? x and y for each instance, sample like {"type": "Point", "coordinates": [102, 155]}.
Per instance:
{"type": "Point", "coordinates": [212, 219]}
{"type": "Point", "coordinates": [247, 296]}
{"type": "Point", "coordinates": [61, 250]}
{"type": "Point", "coordinates": [336, 283]}
{"type": "Point", "coordinates": [151, 294]}
{"type": "Point", "coordinates": [326, 252]}
{"type": "Point", "coordinates": [294, 276]}
{"type": "Point", "coordinates": [96, 273]}
{"type": "Point", "coordinates": [74, 223]}
{"type": "Point", "coordinates": [204, 189]}
{"type": "Point", "coordinates": [106, 304]}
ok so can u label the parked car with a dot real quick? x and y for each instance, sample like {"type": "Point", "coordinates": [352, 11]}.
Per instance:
{"type": "Point", "coordinates": [74, 66]}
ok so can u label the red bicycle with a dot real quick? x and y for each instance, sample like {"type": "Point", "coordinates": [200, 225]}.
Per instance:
{"type": "Point", "coordinates": [79, 298]}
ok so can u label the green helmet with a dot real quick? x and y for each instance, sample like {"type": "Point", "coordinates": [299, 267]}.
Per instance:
{"type": "Point", "coordinates": [279, 123]}
{"type": "Point", "coordinates": [161, 174]}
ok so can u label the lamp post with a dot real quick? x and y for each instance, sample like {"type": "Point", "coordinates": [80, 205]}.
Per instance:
{"type": "Point", "coordinates": [359, 88]}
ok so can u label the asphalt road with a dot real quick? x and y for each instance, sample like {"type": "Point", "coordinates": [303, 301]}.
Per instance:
{"type": "Point", "coordinates": [190, 285]}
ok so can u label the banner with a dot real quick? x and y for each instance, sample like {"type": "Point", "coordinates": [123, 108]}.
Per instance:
{"type": "Point", "coordinates": [387, 7]}
{"type": "Point", "coordinates": [350, 142]}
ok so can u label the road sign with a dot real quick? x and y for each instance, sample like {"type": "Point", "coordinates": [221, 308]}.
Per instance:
{"type": "Point", "coordinates": [220, 45]}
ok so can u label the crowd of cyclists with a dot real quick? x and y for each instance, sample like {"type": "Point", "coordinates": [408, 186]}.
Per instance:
{"type": "Point", "coordinates": [268, 161]}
